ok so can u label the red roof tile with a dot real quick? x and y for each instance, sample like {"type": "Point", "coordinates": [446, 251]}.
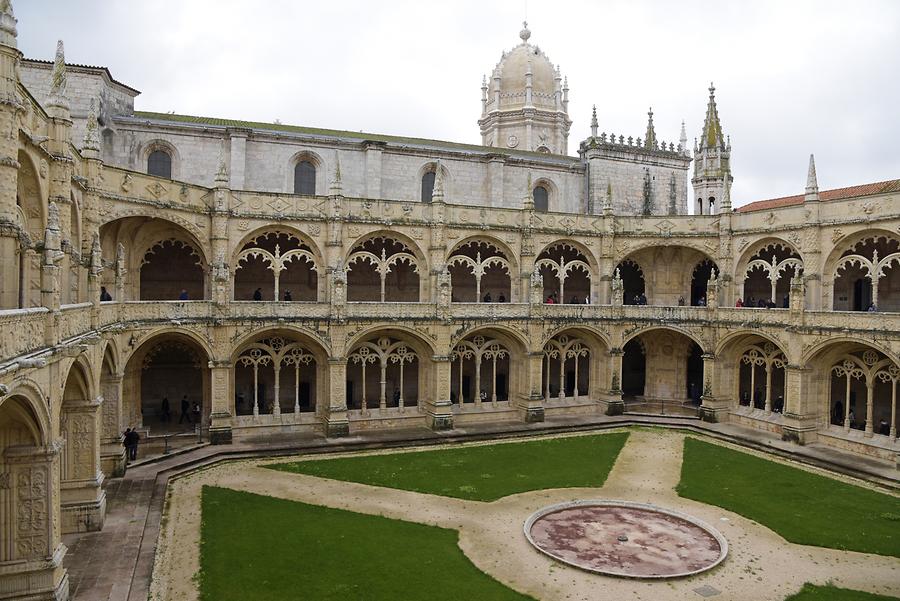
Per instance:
{"type": "Point", "coordinates": [892, 185]}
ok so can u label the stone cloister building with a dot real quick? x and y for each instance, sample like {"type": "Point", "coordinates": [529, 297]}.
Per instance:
{"type": "Point", "coordinates": [402, 283]}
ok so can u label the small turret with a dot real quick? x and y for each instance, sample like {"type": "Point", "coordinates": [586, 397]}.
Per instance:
{"type": "Point", "coordinates": [812, 184]}
{"type": "Point", "coordinates": [484, 96]}
{"type": "Point", "coordinates": [594, 124]}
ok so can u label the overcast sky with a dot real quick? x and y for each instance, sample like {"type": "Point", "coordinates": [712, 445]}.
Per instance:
{"type": "Point", "coordinates": [792, 77]}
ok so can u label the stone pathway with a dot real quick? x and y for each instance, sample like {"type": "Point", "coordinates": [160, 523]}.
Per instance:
{"type": "Point", "coordinates": [761, 565]}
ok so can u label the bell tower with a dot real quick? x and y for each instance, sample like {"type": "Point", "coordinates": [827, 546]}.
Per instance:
{"type": "Point", "coordinates": [712, 163]}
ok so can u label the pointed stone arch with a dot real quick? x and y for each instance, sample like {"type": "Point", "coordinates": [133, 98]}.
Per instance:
{"type": "Point", "coordinates": [386, 266]}
{"type": "Point", "coordinates": [569, 271]}
{"type": "Point", "coordinates": [275, 261]}
{"type": "Point", "coordinates": [479, 266]}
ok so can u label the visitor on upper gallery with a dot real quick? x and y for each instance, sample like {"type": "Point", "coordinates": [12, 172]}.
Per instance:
{"type": "Point", "coordinates": [501, 298]}
{"type": "Point", "coordinates": [104, 295]}
{"type": "Point", "coordinates": [872, 308]}
{"type": "Point", "coordinates": [778, 405]}
{"type": "Point", "coordinates": [770, 304]}
{"type": "Point", "coordinates": [786, 302]}
{"type": "Point", "coordinates": [587, 299]}
{"type": "Point", "coordinates": [287, 296]}
{"type": "Point", "coordinates": [483, 396]}
{"type": "Point", "coordinates": [762, 303]}
{"type": "Point", "coordinates": [550, 300]}
{"type": "Point", "coordinates": [397, 396]}
{"type": "Point", "coordinates": [574, 300]}
{"type": "Point", "coordinates": [183, 295]}
{"type": "Point", "coordinates": [681, 301]}
{"type": "Point", "coordinates": [739, 303]}
{"type": "Point", "coordinates": [701, 302]}
{"type": "Point", "coordinates": [487, 297]}
{"type": "Point", "coordinates": [884, 427]}
{"type": "Point", "coordinates": [642, 299]}
{"type": "Point", "coordinates": [751, 302]}
{"type": "Point", "coordinates": [257, 294]}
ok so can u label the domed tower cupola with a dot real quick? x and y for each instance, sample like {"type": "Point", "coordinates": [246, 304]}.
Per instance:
{"type": "Point", "coordinates": [525, 102]}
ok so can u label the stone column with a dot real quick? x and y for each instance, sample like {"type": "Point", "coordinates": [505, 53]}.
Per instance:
{"type": "Point", "coordinates": [112, 453]}
{"type": "Point", "coordinates": [870, 407]}
{"type": "Point", "coordinates": [440, 411]}
{"type": "Point", "coordinates": [714, 402]}
{"type": "Point", "coordinates": [30, 493]}
{"type": "Point", "coordinates": [800, 400]}
{"type": "Point", "coordinates": [336, 420]}
{"type": "Point", "coordinates": [83, 504]}
{"type": "Point", "coordinates": [531, 400]}
{"type": "Point", "coordinates": [221, 410]}
{"type": "Point", "coordinates": [9, 164]}
{"type": "Point", "coordinates": [614, 403]}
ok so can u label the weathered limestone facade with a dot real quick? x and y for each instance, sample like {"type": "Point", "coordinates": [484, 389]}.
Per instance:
{"type": "Point", "coordinates": [388, 323]}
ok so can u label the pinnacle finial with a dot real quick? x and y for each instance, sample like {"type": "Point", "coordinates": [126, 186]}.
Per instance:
{"type": "Point", "coordinates": [594, 124]}
{"type": "Point", "coordinates": [58, 78]}
{"type": "Point", "coordinates": [7, 24]}
{"type": "Point", "coordinates": [650, 137]}
{"type": "Point", "coordinates": [525, 33]}
{"type": "Point", "coordinates": [91, 143]}
{"type": "Point", "coordinates": [812, 184]}
{"type": "Point", "coordinates": [712, 90]}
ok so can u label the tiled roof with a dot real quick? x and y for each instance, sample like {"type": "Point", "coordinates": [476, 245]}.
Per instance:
{"type": "Point", "coordinates": [892, 185]}
{"type": "Point", "coordinates": [335, 133]}
{"type": "Point", "coordinates": [88, 67]}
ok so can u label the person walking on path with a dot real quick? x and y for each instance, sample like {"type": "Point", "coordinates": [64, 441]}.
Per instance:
{"type": "Point", "coordinates": [185, 410]}
{"type": "Point", "coordinates": [195, 412]}
{"type": "Point", "coordinates": [257, 294]}
{"type": "Point", "coordinates": [166, 410]}
{"type": "Point", "coordinates": [133, 447]}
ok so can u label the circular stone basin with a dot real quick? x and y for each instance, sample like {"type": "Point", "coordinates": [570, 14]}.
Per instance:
{"type": "Point", "coordinates": [619, 538]}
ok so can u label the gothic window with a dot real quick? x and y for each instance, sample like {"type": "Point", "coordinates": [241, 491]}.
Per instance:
{"type": "Point", "coordinates": [541, 199]}
{"type": "Point", "coordinates": [305, 178]}
{"type": "Point", "coordinates": [159, 163]}
{"type": "Point", "coordinates": [427, 186]}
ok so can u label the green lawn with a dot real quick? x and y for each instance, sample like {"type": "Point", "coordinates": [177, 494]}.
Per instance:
{"type": "Point", "coordinates": [480, 473]}
{"type": "Point", "coordinates": [267, 549]}
{"type": "Point", "coordinates": [802, 507]}
{"type": "Point", "coordinates": [810, 592]}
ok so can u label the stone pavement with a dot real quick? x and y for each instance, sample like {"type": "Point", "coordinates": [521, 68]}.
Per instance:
{"type": "Point", "coordinates": [116, 563]}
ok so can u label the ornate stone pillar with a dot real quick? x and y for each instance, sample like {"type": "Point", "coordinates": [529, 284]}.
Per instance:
{"type": "Point", "coordinates": [220, 414]}
{"type": "Point", "coordinates": [9, 163]}
{"type": "Point", "coordinates": [112, 453]}
{"type": "Point", "coordinates": [32, 552]}
{"type": "Point", "coordinates": [614, 403]}
{"type": "Point", "coordinates": [83, 505]}
{"type": "Point", "coordinates": [440, 410]}
{"type": "Point", "coordinates": [714, 402]}
{"type": "Point", "coordinates": [336, 421]}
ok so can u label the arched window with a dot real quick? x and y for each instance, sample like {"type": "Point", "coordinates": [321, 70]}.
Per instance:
{"type": "Point", "coordinates": [541, 199]}
{"type": "Point", "coordinates": [159, 163]}
{"type": "Point", "coordinates": [427, 186]}
{"type": "Point", "coordinates": [305, 178]}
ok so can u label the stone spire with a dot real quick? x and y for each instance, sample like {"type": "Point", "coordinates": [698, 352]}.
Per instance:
{"type": "Point", "coordinates": [437, 194]}
{"type": "Point", "coordinates": [528, 199]}
{"type": "Point", "coordinates": [221, 179]}
{"type": "Point", "coordinates": [90, 148]}
{"type": "Point", "coordinates": [337, 185]}
{"type": "Point", "coordinates": [712, 129]}
{"type": "Point", "coordinates": [58, 96]}
{"type": "Point", "coordinates": [594, 124]}
{"type": "Point", "coordinates": [812, 184]}
{"type": "Point", "coordinates": [683, 142]}
{"type": "Point", "coordinates": [650, 137]}
{"type": "Point", "coordinates": [725, 206]}
{"type": "Point", "coordinates": [7, 24]}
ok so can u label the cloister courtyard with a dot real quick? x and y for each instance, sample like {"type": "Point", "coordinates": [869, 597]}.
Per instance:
{"type": "Point", "coordinates": [447, 522]}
